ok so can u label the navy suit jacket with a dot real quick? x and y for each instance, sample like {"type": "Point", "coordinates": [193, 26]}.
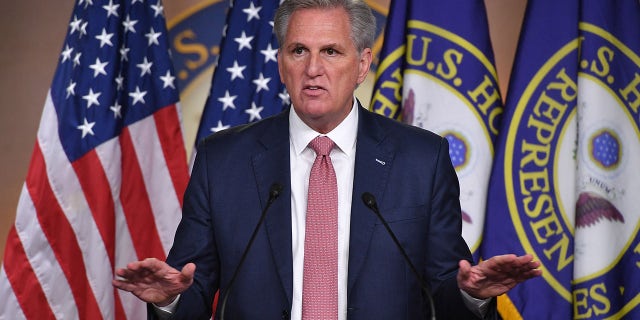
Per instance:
{"type": "Point", "coordinates": [407, 169]}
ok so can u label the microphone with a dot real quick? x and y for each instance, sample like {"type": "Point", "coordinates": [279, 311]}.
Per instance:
{"type": "Point", "coordinates": [274, 193]}
{"type": "Point", "coordinates": [370, 201]}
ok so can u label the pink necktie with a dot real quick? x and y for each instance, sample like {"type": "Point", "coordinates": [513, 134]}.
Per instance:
{"type": "Point", "coordinates": [320, 274]}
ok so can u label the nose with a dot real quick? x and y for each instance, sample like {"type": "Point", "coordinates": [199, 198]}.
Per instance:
{"type": "Point", "coordinates": [315, 65]}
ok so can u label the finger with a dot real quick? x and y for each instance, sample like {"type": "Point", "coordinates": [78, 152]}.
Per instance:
{"type": "Point", "coordinates": [527, 271]}
{"type": "Point", "coordinates": [188, 270]}
{"type": "Point", "coordinates": [513, 263]}
{"type": "Point", "coordinates": [533, 273]}
{"type": "Point", "coordinates": [504, 258]}
{"type": "Point", "coordinates": [123, 285]}
{"type": "Point", "coordinates": [126, 273]}
{"type": "Point", "coordinates": [120, 272]}
{"type": "Point", "coordinates": [148, 264]}
{"type": "Point", "coordinates": [464, 269]}
{"type": "Point", "coordinates": [187, 273]}
{"type": "Point", "coordinates": [525, 259]}
{"type": "Point", "coordinates": [134, 265]}
{"type": "Point", "coordinates": [145, 268]}
{"type": "Point", "coordinates": [133, 274]}
{"type": "Point", "coordinates": [534, 264]}
{"type": "Point", "coordinates": [527, 265]}
{"type": "Point", "coordinates": [152, 264]}
{"type": "Point", "coordinates": [464, 265]}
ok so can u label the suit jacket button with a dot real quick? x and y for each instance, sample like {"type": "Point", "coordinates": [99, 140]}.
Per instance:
{"type": "Point", "coordinates": [285, 314]}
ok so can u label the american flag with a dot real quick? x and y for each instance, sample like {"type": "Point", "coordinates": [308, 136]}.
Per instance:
{"type": "Point", "coordinates": [246, 86]}
{"type": "Point", "coordinates": [108, 170]}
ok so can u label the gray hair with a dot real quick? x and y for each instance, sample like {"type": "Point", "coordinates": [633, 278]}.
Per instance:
{"type": "Point", "coordinates": [363, 23]}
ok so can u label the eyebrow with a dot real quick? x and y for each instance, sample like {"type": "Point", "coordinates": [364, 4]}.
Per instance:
{"type": "Point", "coordinates": [294, 45]}
{"type": "Point", "coordinates": [325, 46]}
{"type": "Point", "coordinates": [331, 45]}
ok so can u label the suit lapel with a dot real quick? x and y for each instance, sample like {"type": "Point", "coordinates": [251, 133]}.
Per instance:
{"type": "Point", "coordinates": [372, 166]}
{"type": "Point", "coordinates": [373, 162]}
{"type": "Point", "coordinates": [271, 165]}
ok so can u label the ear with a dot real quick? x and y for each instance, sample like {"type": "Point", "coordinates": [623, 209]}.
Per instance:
{"type": "Point", "coordinates": [279, 58]}
{"type": "Point", "coordinates": [365, 64]}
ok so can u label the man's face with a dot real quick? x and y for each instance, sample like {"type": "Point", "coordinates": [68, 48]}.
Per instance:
{"type": "Point", "coordinates": [321, 66]}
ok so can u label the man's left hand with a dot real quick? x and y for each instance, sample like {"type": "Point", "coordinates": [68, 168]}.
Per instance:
{"type": "Point", "coordinates": [495, 276]}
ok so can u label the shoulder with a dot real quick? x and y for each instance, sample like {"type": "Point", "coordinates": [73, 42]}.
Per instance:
{"type": "Point", "coordinates": [250, 133]}
{"type": "Point", "coordinates": [401, 135]}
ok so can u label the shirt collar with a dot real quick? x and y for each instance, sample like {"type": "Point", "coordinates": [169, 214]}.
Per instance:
{"type": "Point", "coordinates": [344, 135]}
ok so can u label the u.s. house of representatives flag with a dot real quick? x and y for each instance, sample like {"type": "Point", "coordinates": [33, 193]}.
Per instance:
{"type": "Point", "coordinates": [436, 71]}
{"type": "Point", "coordinates": [246, 86]}
{"type": "Point", "coordinates": [566, 182]}
{"type": "Point", "coordinates": [108, 170]}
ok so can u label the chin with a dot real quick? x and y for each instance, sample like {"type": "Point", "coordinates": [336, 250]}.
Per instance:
{"type": "Point", "coordinates": [314, 109]}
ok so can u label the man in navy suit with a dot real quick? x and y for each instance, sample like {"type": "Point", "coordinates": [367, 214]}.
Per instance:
{"type": "Point", "coordinates": [325, 52]}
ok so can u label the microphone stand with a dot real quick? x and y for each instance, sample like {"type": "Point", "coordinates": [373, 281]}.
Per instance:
{"type": "Point", "coordinates": [370, 201]}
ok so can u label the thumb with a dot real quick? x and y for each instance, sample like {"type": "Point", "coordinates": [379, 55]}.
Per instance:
{"type": "Point", "coordinates": [464, 265]}
{"type": "Point", "coordinates": [188, 271]}
{"type": "Point", "coordinates": [464, 269]}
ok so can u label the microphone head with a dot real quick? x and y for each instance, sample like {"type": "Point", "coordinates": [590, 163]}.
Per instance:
{"type": "Point", "coordinates": [369, 200]}
{"type": "Point", "coordinates": [275, 190]}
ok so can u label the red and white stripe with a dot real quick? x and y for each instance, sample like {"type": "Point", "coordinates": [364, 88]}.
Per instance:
{"type": "Point", "coordinates": [77, 222]}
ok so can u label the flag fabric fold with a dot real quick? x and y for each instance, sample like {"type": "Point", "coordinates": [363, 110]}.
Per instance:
{"type": "Point", "coordinates": [246, 85]}
{"type": "Point", "coordinates": [105, 182]}
{"type": "Point", "coordinates": [565, 180]}
{"type": "Point", "coordinates": [437, 72]}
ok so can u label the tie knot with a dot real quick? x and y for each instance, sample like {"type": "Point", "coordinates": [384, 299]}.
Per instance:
{"type": "Point", "coordinates": [322, 145]}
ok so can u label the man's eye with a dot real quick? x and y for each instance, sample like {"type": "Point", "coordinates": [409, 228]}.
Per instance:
{"type": "Point", "coordinates": [298, 50]}
{"type": "Point", "coordinates": [331, 52]}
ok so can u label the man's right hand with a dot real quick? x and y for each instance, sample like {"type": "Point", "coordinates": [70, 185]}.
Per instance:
{"type": "Point", "coordinates": [154, 281]}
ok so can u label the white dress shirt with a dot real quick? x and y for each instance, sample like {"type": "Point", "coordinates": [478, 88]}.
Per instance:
{"type": "Point", "coordinates": [343, 157]}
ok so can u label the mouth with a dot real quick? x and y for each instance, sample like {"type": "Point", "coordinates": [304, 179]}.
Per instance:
{"type": "Point", "coordinates": [313, 91]}
{"type": "Point", "coordinates": [313, 88]}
